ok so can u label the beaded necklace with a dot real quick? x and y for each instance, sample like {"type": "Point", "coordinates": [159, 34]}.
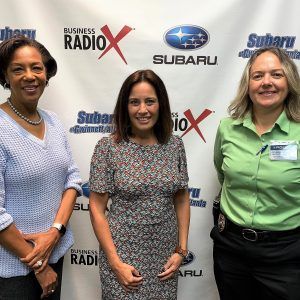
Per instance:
{"type": "Point", "coordinates": [35, 123]}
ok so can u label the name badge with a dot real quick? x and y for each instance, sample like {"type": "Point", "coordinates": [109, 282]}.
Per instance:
{"type": "Point", "coordinates": [284, 150]}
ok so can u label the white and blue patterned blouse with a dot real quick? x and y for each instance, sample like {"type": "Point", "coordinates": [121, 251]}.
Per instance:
{"type": "Point", "coordinates": [33, 175]}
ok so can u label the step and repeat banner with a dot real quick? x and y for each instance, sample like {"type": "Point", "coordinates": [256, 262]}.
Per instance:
{"type": "Point", "coordinates": [199, 48]}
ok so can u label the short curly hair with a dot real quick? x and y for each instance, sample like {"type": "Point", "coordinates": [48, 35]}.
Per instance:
{"type": "Point", "coordinates": [8, 48]}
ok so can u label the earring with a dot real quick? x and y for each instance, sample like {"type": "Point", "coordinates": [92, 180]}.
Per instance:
{"type": "Point", "coordinates": [6, 85]}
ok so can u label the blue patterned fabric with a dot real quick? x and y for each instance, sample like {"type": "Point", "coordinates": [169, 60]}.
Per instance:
{"type": "Point", "coordinates": [33, 175]}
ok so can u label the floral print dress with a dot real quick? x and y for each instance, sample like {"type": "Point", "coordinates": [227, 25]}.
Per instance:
{"type": "Point", "coordinates": [141, 181]}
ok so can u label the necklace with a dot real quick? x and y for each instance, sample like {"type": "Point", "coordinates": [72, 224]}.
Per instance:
{"type": "Point", "coordinates": [23, 117]}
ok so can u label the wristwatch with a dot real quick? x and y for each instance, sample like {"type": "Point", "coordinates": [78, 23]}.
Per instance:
{"type": "Point", "coordinates": [182, 252]}
{"type": "Point", "coordinates": [60, 227]}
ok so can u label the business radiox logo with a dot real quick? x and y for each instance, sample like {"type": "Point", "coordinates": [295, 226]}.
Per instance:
{"type": "Point", "coordinates": [101, 39]}
{"type": "Point", "coordinates": [7, 32]}
{"type": "Point", "coordinates": [93, 122]}
{"type": "Point", "coordinates": [187, 122]}
{"type": "Point", "coordinates": [86, 257]}
{"type": "Point", "coordinates": [256, 41]}
{"type": "Point", "coordinates": [186, 38]}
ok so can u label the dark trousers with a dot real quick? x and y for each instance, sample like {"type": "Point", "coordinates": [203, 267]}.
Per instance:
{"type": "Point", "coordinates": [27, 287]}
{"type": "Point", "coordinates": [262, 270]}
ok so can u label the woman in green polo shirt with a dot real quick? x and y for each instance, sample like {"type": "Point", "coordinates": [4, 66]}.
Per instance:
{"type": "Point", "coordinates": [257, 238]}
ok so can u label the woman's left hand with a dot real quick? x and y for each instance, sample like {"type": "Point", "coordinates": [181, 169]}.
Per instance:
{"type": "Point", "coordinates": [171, 267]}
{"type": "Point", "coordinates": [44, 242]}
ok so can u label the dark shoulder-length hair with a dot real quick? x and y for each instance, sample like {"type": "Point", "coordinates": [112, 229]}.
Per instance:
{"type": "Point", "coordinates": [242, 104]}
{"type": "Point", "coordinates": [8, 48]}
{"type": "Point", "coordinates": [164, 124]}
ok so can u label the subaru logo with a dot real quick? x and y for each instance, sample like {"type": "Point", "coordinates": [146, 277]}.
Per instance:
{"type": "Point", "coordinates": [86, 189]}
{"type": "Point", "coordinates": [189, 259]}
{"type": "Point", "coordinates": [186, 37]}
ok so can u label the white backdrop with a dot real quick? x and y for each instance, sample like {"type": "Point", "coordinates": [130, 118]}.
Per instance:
{"type": "Point", "coordinates": [85, 89]}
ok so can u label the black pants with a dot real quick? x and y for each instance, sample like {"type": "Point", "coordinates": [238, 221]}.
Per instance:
{"type": "Point", "coordinates": [27, 287]}
{"type": "Point", "coordinates": [263, 270]}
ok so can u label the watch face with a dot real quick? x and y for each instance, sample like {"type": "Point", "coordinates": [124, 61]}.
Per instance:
{"type": "Point", "coordinates": [60, 227]}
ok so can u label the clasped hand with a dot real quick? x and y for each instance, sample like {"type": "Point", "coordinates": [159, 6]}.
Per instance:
{"type": "Point", "coordinates": [47, 280]}
{"type": "Point", "coordinates": [44, 242]}
{"type": "Point", "coordinates": [171, 267]}
{"type": "Point", "coordinates": [128, 277]}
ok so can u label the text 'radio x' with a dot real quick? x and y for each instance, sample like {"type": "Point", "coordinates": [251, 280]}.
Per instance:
{"type": "Point", "coordinates": [194, 123]}
{"type": "Point", "coordinates": [115, 40]}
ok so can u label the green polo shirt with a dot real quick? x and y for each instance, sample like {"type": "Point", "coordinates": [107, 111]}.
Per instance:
{"type": "Point", "coordinates": [258, 192]}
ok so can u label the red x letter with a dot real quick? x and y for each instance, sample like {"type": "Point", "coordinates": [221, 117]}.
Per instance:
{"type": "Point", "coordinates": [194, 123]}
{"type": "Point", "coordinates": [115, 40]}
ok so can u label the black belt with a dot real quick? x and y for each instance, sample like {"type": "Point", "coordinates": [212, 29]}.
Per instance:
{"type": "Point", "coordinates": [254, 235]}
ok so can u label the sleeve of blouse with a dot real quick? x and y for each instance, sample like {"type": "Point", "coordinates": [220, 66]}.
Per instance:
{"type": "Point", "coordinates": [73, 179]}
{"type": "Point", "coordinates": [182, 166]}
{"type": "Point", "coordinates": [218, 157]}
{"type": "Point", "coordinates": [101, 172]}
{"type": "Point", "coordinates": [5, 218]}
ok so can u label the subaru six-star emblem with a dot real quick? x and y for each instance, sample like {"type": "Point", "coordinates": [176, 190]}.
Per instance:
{"type": "Point", "coordinates": [186, 37]}
{"type": "Point", "coordinates": [86, 189]}
{"type": "Point", "coordinates": [188, 259]}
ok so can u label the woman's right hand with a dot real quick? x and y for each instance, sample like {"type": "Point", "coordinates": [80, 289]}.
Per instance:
{"type": "Point", "coordinates": [44, 243]}
{"type": "Point", "coordinates": [128, 276]}
{"type": "Point", "coordinates": [47, 280]}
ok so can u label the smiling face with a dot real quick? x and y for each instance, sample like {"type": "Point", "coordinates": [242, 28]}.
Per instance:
{"type": "Point", "coordinates": [143, 108]}
{"type": "Point", "coordinates": [268, 87]}
{"type": "Point", "coordinates": [26, 75]}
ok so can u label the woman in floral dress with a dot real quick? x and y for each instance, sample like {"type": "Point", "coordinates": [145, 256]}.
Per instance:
{"type": "Point", "coordinates": [142, 168]}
